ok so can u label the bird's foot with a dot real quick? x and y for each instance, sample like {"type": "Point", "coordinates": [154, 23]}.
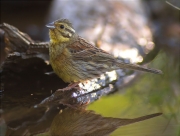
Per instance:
{"type": "Point", "coordinates": [71, 86]}
{"type": "Point", "coordinates": [79, 105]}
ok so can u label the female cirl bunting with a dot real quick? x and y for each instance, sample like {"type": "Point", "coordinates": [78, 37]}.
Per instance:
{"type": "Point", "coordinates": [76, 60]}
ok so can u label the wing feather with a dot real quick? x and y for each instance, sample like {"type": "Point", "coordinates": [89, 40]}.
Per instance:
{"type": "Point", "coordinates": [83, 50]}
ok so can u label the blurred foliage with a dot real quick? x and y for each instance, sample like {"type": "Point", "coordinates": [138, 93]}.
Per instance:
{"type": "Point", "coordinates": [150, 94]}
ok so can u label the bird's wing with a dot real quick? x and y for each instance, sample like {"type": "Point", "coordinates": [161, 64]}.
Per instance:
{"type": "Point", "coordinates": [83, 50]}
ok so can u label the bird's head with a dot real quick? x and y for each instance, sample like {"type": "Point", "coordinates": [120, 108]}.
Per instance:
{"type": "Point", "coordinates": [61, 31]}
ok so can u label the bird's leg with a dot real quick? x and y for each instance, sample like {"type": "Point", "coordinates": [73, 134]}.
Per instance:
{"type": "Point", "coordinates": [71, 86]}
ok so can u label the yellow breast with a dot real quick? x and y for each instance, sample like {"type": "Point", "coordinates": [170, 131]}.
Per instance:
{"type": "Point", "coordinates": [64, 67]}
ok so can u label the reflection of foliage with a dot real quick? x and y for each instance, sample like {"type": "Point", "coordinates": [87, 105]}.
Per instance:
{"type": "Point", "coordinates": [150, 93]}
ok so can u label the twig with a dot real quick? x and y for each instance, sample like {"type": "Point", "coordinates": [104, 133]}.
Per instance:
{"type": "Point", "coordinates": [172, 5]}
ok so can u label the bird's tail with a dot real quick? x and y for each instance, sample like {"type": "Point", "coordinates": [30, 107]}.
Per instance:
{"type": "Point", "coordinates": [123, 122]}
{"type": "Point", "coordinates": [138, 67]}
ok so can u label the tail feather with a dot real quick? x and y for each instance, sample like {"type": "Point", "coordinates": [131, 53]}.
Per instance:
{"type": "Point", "coordinates": [139, 68]}
{"type": "Point", "coordinates": [124, 122]}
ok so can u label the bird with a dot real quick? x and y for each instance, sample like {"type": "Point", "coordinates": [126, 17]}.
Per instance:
{"type": "Point", "coordinates": [76, 60]}
{"type": "Point", "coordinates": [80, 122]}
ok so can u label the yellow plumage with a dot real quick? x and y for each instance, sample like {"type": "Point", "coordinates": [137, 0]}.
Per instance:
{"type": "Point", "coordinates": [74, 59]}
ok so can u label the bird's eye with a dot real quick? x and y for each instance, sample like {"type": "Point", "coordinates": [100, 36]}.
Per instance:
{"type": "Point", "coordinates": [62, 26]}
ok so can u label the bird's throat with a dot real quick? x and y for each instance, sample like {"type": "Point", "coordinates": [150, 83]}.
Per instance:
{"type": "Point", "coordinates": [56, 38]}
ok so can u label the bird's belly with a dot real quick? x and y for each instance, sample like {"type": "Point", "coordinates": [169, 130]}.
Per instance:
{"type": "Point", "coordinates": [77, 71]}
{"type": "Point", "coordinates": [67, 71]}
{"type": "Point", "coordinates": [70, 71]}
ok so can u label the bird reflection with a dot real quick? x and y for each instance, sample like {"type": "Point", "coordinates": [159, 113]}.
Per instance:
{"type": "Point", "coordinates": [81, 122]}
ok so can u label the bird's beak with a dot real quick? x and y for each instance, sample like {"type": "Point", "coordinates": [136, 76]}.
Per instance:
{"type": "Point", "coordinates": [50, 25]}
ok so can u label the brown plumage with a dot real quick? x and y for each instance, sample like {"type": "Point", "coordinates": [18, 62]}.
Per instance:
{"type": "Point", "coordinates": [76, 60]}
{"type": "Point", "coordinates": [80, 122]}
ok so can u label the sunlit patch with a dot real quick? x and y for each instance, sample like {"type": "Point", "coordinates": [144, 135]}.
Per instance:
{"type": "Point", "coordinates": [97, 83]}
{"type": "Point", "coordinates": [93, 95]}
{"type": "Point", "coordinates": [142, 41]}
{"type": "Point", "coordinates": [74, 94]}
{"type": "Point", "coordinates": [150, 45]}
{"type": "Point", "coordinates": [146, 32]}
{"type": "Point", "coordinates": [131, 54]}
{"type": "Point", "coordinates": [60, 111]}
{"type": "Point", "coordinates": [139, 59]}
{"type": "Point", "coordinates": [112, 75]}
{"type": "Point", "coordinates": [97, 29]}
{"type": "Point", "coordinates": [105, 46]}
{"type": "Point", "coordinates": [116, 53]}
{"type": "Point", "coordinates": [47, 62]}
{"type": "Point", "coordinates": [90, 85]}
{"type": "Point", "coordinates": [102, 77]}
